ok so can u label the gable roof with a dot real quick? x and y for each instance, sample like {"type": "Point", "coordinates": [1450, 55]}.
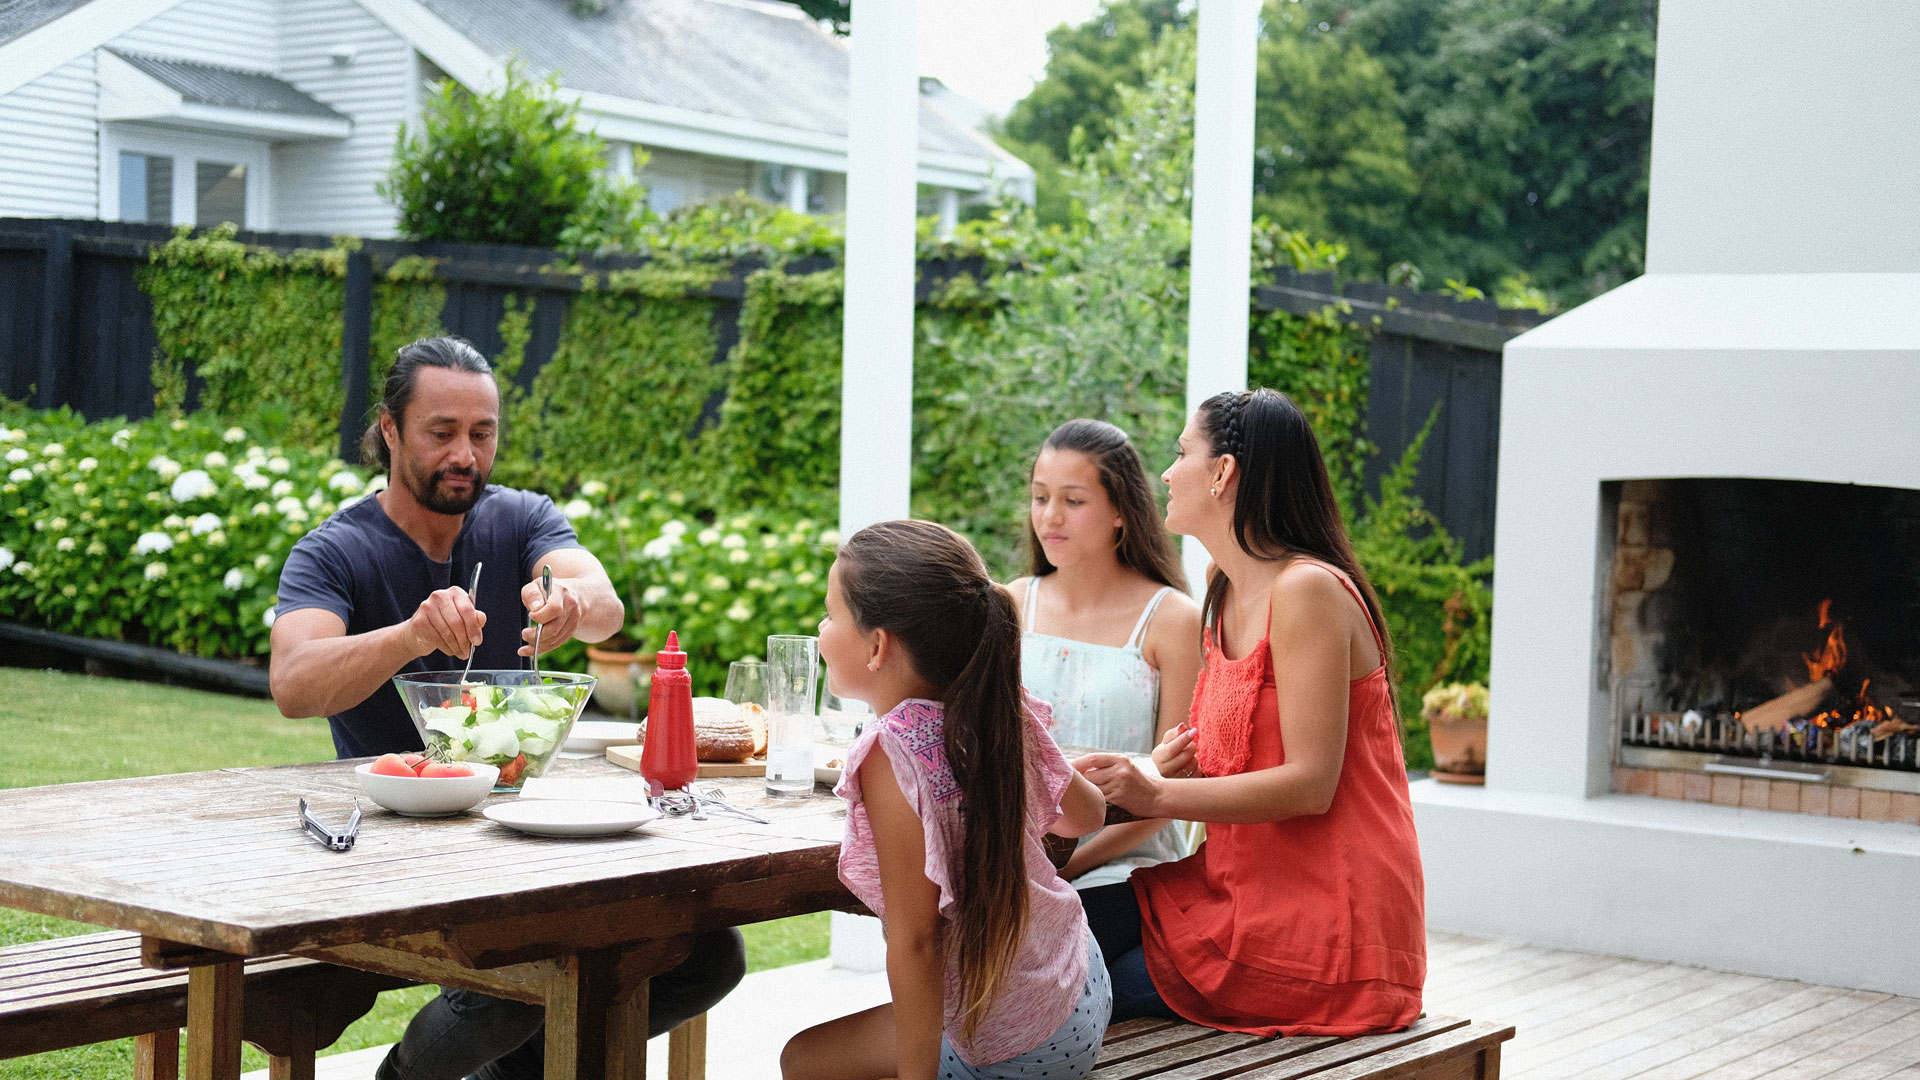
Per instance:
{"type": "Point", "coordinates": [207, 84]}
{"type": "Point", "coordinates": [19, 16]}
{"type": "Point", "coordinates": [763, 62]}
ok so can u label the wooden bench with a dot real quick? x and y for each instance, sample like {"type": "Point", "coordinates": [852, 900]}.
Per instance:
{"type": "Point", "coordinates": [68, 992]}
{"type": "Point", "coordinates": [1434, 1048]}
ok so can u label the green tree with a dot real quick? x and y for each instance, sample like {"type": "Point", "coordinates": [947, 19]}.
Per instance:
{"type": "Point", "coordinates": [506, 167]}
{"type": "Point", "coordinates": [1088, 66]}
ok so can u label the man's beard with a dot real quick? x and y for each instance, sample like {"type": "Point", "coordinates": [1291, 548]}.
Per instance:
{"type": "Point", "coordinates": [429, 493]}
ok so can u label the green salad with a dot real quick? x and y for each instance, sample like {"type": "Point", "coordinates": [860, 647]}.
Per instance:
{"type": "Point", "coordinates": [499, 724]}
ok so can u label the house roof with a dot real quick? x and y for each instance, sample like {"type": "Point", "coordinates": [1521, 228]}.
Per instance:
{"type": "Point", "coordinates": [743, 59]}
{"type": "Point", "coordinates": [230, 88]}
{"type": "Point", "coordinates": [19, 16]}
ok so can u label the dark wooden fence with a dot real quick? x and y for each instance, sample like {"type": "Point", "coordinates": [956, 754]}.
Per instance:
{"type": "Point", "coordinates": [76, 330]}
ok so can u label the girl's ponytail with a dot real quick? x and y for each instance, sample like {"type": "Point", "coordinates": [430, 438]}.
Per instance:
{"type": "Point", "coordinates": [926, 585]}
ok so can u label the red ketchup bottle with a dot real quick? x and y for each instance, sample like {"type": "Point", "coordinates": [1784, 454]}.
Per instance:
{"type": "Point", "coordinates": [669, 755]}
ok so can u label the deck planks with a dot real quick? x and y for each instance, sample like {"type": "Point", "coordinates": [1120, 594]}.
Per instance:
{"type": "Point", "coordinates": [1584, 1016]}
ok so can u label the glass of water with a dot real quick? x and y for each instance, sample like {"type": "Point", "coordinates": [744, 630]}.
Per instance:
{"type": "Point", "coordinates": [793, 673]}
{"type": "Point", "coordinates": [842, 719]}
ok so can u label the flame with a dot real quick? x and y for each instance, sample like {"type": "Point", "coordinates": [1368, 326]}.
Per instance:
{"type": "Point", "coordinates": [1833, 655]}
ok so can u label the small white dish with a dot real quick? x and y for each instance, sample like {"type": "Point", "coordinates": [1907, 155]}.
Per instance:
{"type": "Point", "coordinates": [594, 736]}
{"type": "Point", "coordinates": [829, 762]}
{"type": "Point", "coordinates": [561, 817]}
{"type": "Point", "coordinates": [428, 796]}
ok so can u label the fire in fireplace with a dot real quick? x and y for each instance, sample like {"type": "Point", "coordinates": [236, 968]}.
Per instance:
{"type": "Point", "coordinates": [1766, 628]}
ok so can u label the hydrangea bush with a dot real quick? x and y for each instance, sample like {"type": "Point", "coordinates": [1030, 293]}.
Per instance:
{"type": "Point", "coordinates": [173, 533]}
{"type": "Point", "coordinates": [170, 533]}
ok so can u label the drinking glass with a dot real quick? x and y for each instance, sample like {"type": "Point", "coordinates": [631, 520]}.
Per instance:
{"type": "Point", "coordinates": [793, 672]}
{"type": "Point", "coordinates": [842, 719]}
{"type": "Point", "coordinates": [747, 682]}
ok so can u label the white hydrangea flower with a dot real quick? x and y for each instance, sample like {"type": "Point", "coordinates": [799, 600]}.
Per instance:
{"type": "Point", "coordinates": [156, 570]}
{"type": "Point", "coordinates": [577, 508]}
{"type": "Point", "coordinates": [193, 484]}
{"type": "Point", "coordinates": [717, 583]}
{"type": "Point", "coordinates": [165, 466]}
{"type": "Point", "coordinates": [350, 500]}
{"type": "Point", "coordinates": [261, 509]}
{"type": "Point", "coordinates": [20, 476]}
{"type": "Point", "coordinates": [805, 577]}
{"type": "Point", "coordinates": [737, 556]}
{"type": "Point", "coordinates": [234, 434]}
{"type": "Point", "coordinates": [290, 506]}
{"type": "Point", "coordinates": [65, 543]}
{"type": "Point", "coordinates": [267, 617]}
{"type": "Point", "coordinates": [261, 562]}
{"type": "Point", "coordinates": [122, 437]}
{"type": "Point", "coordinates": [377, 484]}
{"type": "Point", "coordinates": [739, 612]}
{"type": "Point", "coordinates": [733, 541]}
{"type": "Point", "coordinates": [217, 537]}
{"type": "Point", "coordinates": [675, 527]}
{"type": "Point", "coordinates": [179, 425]}
{"type": "Point", "coordinates": [256, 455]}
{"type": "Point", "coordinates": [10, 435]}
{"type": "Point", "coordinates": [6, 558]}
{"type": "Point", "coordinates": [344, 482]}
{"type": "Point", "coordinates": [173, 521]}
{"type": "Point", "coordinates": [278, 465]}
{"type": "Point", "coordinates": [17, 456]}
{"type": "Point", "coordinates": [708, 537]}
{"type": "Point", "coordinates": [205, 524]}
{"type": "Point", "coordinates": [593, 489]}
{"type": "Point", "coordinates": [687, 598]}
{"type": "Point", "coordinates": [653, 595]}
{"type": "Point", "coordinates": [282, 487]}
{"type": "Point", "coordinates": [23, 568]}
{"type": "Point", "coordinates": [234, 579]}
{"type": "Point", "coordinates": [152, 543]}
{"type": "Point", "coordinates": [57, 524]}
{"type": "Point", "coordinates": [769, 541]}
{"type": "Point", "coordinates": [831, 537]}
{"type": "Point", "coordinates": [215, 460]}
{"type": "Point", "coordinates": [253, 481]}
{"type": "Point", "coordinates": [88, 464]}
{"type": "Point", "coordinates": [314, 500]}
{"type": "Point", "coordinates": [660, 547]}
{"type": "Point", "coordinates": [53, 449]}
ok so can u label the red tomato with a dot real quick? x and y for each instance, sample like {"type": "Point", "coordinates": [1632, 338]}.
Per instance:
{"type": "Point", "coordinates": [445, 768]}
{"type": "Point", "coordinates": [392, 765]}
{"type": "Point", "coordinates": [467, 700]}
{"type": "Point", "coordinates": [414, 761]}
{"type": "Point", "coordinates": [510, 772]}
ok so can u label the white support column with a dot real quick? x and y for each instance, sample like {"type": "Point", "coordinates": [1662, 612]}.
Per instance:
{"type": "Point", "coordinates": [876, 395]}
{"type": "Point", "coordinates": [1222, 212]}
{"type": "Point", "coordinates": [949, 212]}
{"type": "Point", "coordinates": [797, 192]}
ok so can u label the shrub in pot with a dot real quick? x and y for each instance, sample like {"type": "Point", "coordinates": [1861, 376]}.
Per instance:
{"type": "Point", "coordinates": [1456, 716]}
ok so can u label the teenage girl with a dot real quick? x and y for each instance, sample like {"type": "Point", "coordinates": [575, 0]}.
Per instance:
{"type": "Point", "coordinates": [1112, 640]}
{"type": "Point", "coordinates": [993, 971]}
{"type": "Point", "coordinates": [1303, 913]}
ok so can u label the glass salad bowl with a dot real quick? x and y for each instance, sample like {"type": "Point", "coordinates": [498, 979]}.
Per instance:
{"type": "Point", "coordinates": [514, 719]}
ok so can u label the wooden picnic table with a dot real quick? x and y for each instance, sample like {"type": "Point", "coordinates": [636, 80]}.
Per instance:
{"type": "Point", "coordinates": [212, 867]}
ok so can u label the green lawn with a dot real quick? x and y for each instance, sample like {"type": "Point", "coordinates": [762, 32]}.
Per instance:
{"type": "Point", "coordinates": [63, 728]}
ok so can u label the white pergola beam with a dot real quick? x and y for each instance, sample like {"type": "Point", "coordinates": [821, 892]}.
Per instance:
{"type": "Point", "coordinates": [1221, 273]}
{"type": "Point", "coordinates": [876, 394]}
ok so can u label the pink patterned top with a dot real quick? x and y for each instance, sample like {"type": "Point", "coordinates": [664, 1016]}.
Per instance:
{"type": "Point", "coordinates": [1045, 983]}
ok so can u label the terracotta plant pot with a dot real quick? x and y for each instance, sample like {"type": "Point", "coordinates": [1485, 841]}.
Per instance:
{"type": "Point", "coordinates": [625, 678]}
{"type": "Point", "coordinates": [1459, 748]}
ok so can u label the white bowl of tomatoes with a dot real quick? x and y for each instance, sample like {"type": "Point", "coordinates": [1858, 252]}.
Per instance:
{"type": "Point", "coordinates": [413, 785]}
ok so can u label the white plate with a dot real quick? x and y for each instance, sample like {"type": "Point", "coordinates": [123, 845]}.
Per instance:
{"type": "Point", "coordinates": [555, 817]}
{"type": "Point", "coordinates": [824, 773]}
{"type": "Point", "coordinates": [594, 736]}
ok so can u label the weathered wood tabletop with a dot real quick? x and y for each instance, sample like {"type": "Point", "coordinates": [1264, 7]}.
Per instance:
{"type": "Point", "coordinates": [214, 866]}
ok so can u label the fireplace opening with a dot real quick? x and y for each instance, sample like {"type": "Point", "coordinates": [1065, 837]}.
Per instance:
{"type": "Point", "coordinates": [1765, 628]}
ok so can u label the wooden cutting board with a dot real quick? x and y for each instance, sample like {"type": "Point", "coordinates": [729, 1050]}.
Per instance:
{"type": "Point", "coordinates": [628, 757]}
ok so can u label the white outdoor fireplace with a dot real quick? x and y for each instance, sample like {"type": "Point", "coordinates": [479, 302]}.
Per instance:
{"type": "Point", "coordinates": [1762, 378]}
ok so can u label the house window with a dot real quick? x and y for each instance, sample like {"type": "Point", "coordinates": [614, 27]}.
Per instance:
{"type": "Point", "coordinates": [220, 193]}
{"type": "Point", "coordinates": [146, 188]}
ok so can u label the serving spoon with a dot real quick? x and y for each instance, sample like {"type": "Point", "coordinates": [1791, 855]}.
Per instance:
{"type": "Point", "coordinates": [473, 590]}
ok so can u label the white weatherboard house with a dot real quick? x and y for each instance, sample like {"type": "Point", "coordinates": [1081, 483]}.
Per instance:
{"type": "Point", "coordinates": [282, 114]}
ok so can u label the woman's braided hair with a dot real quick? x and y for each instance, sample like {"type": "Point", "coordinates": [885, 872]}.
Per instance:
{"type": "Point", "coordinates": [1285, 504]}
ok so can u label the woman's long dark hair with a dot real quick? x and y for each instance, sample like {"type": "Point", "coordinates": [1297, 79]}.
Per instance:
{"type": "Point", "coordinates": [1144, 546]}
{"type": "Point", "coordinates": [1285, 504]}
{"type": "Point", "coordinates": [927, 586]}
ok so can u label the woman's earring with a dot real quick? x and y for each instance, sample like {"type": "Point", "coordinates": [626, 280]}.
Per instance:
{"type": "Point", "coordinates": [1214, 491]}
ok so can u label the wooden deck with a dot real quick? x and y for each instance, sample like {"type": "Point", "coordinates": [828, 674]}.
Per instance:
{"type": "Point", "coordinates": [1607, 1018]}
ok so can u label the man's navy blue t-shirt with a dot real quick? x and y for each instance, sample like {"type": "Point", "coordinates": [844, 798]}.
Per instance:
{"type": "Point", "coordinates": [359, 565]}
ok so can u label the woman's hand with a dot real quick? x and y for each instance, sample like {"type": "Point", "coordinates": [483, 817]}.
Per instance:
{"type": "Point", "coordinates": [1123, 783]}
{"type": "Point", "coordinates": [1175, 757]}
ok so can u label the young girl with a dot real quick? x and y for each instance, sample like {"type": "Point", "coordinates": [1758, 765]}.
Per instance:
{"type": "Point", "coordinates": [1104, 567]}
{"type": "Point", "coordinates": [993, 971]}
{"type": "Point", "coordinates": [1303, 913]}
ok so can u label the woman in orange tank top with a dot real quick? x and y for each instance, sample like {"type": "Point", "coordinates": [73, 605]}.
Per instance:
{"type": "Point", "coordinates": [1304, 911]}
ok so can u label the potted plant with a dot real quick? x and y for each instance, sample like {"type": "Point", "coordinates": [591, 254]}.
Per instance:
{"type": "Point", "coordinates": [1456, 716]}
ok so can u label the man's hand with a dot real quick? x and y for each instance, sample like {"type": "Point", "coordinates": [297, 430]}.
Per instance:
{"type": "Point", "coordinates": [1122, 783]}
{"type": "Point", "coordinates": [447, 621]}
{"type": "Point", "coordinates": [558, 614]}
